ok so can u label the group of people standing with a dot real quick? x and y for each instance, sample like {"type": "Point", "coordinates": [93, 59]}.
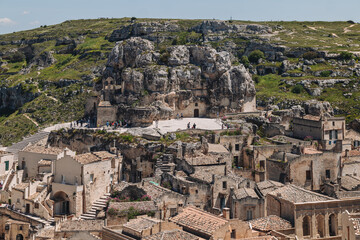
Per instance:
{"type": "Point", "coordinates": [117, 124]}
{"type": "Point", "coordinates": [193, 126]}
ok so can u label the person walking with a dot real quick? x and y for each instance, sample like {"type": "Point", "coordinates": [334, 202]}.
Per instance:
{"type": "Point", "coordinates": [188, 125]}
{"type": "Point", "coordinates": [194, 126]}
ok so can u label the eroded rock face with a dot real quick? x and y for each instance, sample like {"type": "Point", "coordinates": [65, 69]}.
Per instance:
{"type": "Point", "coordinates": [143, 29]}
{"type": "Point", "coordinates": [146, 85]}
{"type": "Point", "coordinates": [221, 27]}
{"type": "Point", "coordinates": [314, 107]}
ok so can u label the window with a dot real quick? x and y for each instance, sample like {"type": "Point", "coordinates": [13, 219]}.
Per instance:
{"type": "Point", "coordinates": [196, 191]}
{"type": "Point", "coordinates": [329, 142]}
{"type": "Point", "coordinates": [327, 173]}
{"type": "Point", "coordinates": [20, 228]}
{"type": "Point", "coordinates": [36, 205]}
{"type": "Point", "coordinates": [6, 165]}
{"type": "Point", "coordinates": [336, 134]}
{"type": "Point", "coordinates": [249, 214]}
{"type": "Point", "coordinates": [237, 147]}
{"type": "Point", "coordinates": [236, 159]}
{"type": "Point", "coordinates": [248, 184]}
{"type": "Point", "coordinates": [233, 234]}
{"type": "Point", "coordinates": [62, 179]}
{"type": "Point", "coordinates": [196, 104]}
{"type": "Point", "coordinates": [91, 177]}
{"type": "Point", "coordinates": [333, 123]}
{"type": "Point", "coordinates": [308, 175]}
{"type": "Point", "coordinates": [224, 185]}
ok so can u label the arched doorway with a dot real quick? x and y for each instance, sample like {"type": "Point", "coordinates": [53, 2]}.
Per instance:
{"type": "Point", "coordinates": [196, 112]}
{"type": "Point", "coordinates": [306, 226]}
{"type": "Point", "coordinates": [19, 237]}
{"type": "Point", "coordinates": [62, 203]}
{"type": "Point", "coordinates": [320, 224]}
{"type": "Point", "coordinates": [332, 225]}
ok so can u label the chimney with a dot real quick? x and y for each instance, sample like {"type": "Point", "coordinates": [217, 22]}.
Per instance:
{"type": "Point", "coordinates": [226, 213]}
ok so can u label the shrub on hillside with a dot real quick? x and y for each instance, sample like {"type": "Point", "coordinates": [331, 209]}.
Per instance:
{"type": "Point", "coordinates": [346, 55]}
{"type": "Point", "coordinates": [254, 56]}
{"type": "Point", "coordinates": [310, 55]}
{"type": "Point", "coordinates": [297, 89]}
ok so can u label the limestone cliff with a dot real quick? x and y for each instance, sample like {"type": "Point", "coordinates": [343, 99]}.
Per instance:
{"type": "Point", "coordinates": [144, 84]}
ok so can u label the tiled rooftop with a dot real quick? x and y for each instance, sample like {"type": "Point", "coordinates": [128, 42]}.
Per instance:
{"type": "Point", "coordinates": [44, 162]}
{"type": "Point", "coordinates": [87, 158]}
{"type": "Point", "coordinates": [203, 160]}
{"type": "Point", "coordinates": [217, 148]}
{"type": "Point", "coordinates": [350, 182]}
{"type": "Point", "coordinates": [297, 194]}
{"type": "Point", "coordinates": [198, 220]}
{"type": "Point", "coordinates": [141, 223]}
{"type": "Point", "coordinates": [78, 225]}
{"type": "Point", "coordinates": [269, 223]}
{"type": "Point", "coordinates": [172, 235]}
{"type": "Point", "coordinates": [142, 205]}
{"type": "Point", "coordinates": [311, 117]}
{"type": "Point", "coordinates": [242, 193]}
{"type": "Point", "coordinates": [21, 186]}
{"type": "Point", "coordinates": [268, 186]}
{"type": "Point", "coordinates": [43, 149]}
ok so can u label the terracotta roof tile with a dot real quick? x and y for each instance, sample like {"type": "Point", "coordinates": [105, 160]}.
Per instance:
{"type": "Point", "coordinates": [172, 235]}
{"type": "Point", "coordinates": [141, 223]}
{"type": "Point", "coordinates": [297, 194]}
{"type": "Point", "coordinates": [43, 149]}
{"type": "Point", "coordinates": [21, 186]}
{"type": "Point", "coordinates": [44, 162]}
{"type": "Point", "coordinates": [199, 220]}
{"type": "Point", "coordinates": [269, 223]}
{"type": "Point", "coordinates": [350, 182]}
{"type": "Point", "coordinates": [142, 205]}
{"type": "Point", "coordinates": [242, 193]}
{"type": "Point", "coordinates": [87, 158]}
{"type": "Point", "coordinates": [268, 186]}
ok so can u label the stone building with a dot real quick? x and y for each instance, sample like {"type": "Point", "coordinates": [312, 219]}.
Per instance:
{"type": "Point", "coordinates": [246, 204]}
{"type": "Point", "coordinates": [313, 215]}
{"type": "Point", "coordinates": [38, 159]}
{"type": "Point", "coordinates": [350, 225]}
{"type": "Point", "coordinates": [16, 230]}
{"type": "Point", "coordinates": [328, 130]}
{"type": "Point", "coordinates": [224, 185]}
{"type": "Point", "coordinates": [309, 169]}
{"type": "Point", "coordinates": [6, 163]}
{"type": "Point", "coordinates": [209, 226]}
{"type": "Point", "coordinates": [91, 175]}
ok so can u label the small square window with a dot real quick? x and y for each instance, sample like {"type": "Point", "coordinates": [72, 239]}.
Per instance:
{"type": "Point", "coordinates": [196, 104]}
{"type": "Point", "coordinates": [237, 147]}
{"type": "Point", "coordinates": [327, 173]}
{"type": "Point", "coordinates": [36, 205]}
{"type": "Point", "coordinates": [224, 185]}
{"type": "Point", "coordinates": [20, 228]}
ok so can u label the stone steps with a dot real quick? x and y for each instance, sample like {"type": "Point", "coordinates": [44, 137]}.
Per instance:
{"type": "Point", "coordinates": [98, 205]}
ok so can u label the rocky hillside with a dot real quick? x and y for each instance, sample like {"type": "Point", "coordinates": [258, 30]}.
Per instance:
{"type": "Point", "coordinates": [46, 74]}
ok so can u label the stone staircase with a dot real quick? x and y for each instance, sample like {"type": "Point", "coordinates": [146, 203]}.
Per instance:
{"type": "Point", "coordinates": [98, 205]}
{"type": "Point", "coordinates": [15, 148]}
